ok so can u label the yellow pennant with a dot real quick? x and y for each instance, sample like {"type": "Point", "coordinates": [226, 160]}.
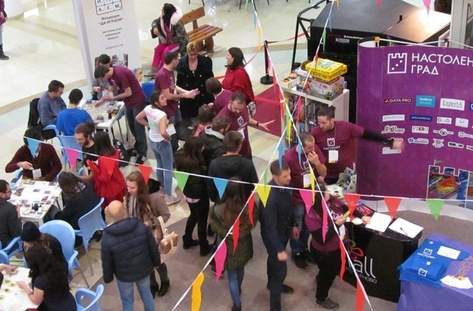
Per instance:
{"type": "Point", "coordinates": [196, 292]}
{"type": "Point", "coordinates": [263, 192]}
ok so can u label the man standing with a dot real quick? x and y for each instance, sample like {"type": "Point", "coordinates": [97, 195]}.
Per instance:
{"type": "Point", "coordinates": [129, 252]}
{"type": "Point", "coordinates": [69, 118]}
{"type": "Point", "coordinates": [221, 96]}
{"type": "Point", "coordinates": [130, 92]}
{"type": "Point", "coordinates": [277, 226]}
{"type": "Point", "coordinates": [311, 155]}
{"type": "Point", "coordinates": [3, 19]}
{"type": "Point", "coordinates": [334, 139]}
{"type": "Point", "coordinates": [237, 111]}
{"type": "Point", "coordinates": [51, 103]}
{"type": "Point", "coordinates": [166, 82]}
{"type": "Point", "coordinates": [10, 224]}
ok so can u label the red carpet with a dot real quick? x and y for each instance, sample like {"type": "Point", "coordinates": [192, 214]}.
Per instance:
{"type": "Point", "coordinates": [267, 109]}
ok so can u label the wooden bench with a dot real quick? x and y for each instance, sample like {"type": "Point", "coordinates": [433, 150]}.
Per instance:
{"type": "Point", "coordinates": [201, 35]}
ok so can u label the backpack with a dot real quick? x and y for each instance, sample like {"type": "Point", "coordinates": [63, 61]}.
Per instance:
{"type": "Point", "coordinates": [124, 154]}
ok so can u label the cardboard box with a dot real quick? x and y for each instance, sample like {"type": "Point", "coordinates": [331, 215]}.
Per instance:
{"type": "Point", "coordinates": [288, 83]}
{"type": "Point", "coordinates": [326, 69]}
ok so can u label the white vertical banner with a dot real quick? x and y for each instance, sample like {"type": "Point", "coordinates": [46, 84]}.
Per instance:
{"type": "Point", "coordinates": [108, 27]}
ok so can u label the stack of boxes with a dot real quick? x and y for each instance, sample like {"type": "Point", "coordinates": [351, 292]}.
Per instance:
{"type": "Point", "coordinates": [325, 79]}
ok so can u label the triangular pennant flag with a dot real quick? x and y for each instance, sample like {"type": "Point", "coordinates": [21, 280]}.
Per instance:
{"type": "Point", "coordinates": [182, 179]}
{"type": "Point", "coordinates": [280, 152]}
{"type": "Point", "coordinates": [220, 184]}
{"type": "Point", "coordinates": [145, 171]}
{"type": "Point", "coordinates": [72, 155]}
{"type": "Point", "coordinates": [33, 145]}
{"type": "Point", "coordinates": [324, 34]}
{"type": "Point", "coordinates": [343, 259]}
{"type": "Point", "coordinates": [263, 193]}
{"type": "Point", "coordinates": [220, 256]}
{"type": "Point", "coordinates": [299, 151]}
{"type": "Point", "coordinates": [435, 206]}
{"type": "Point", "coordinates": [360, 296]}
{"type": "Point", "coordinates": [197, 292]}
{"type": "Point", "coordinates": [299, 108]}
{"type": "Point", "coordinates": [265, 177]}
{"type": "Point", "coordinates": [352, 200]}
{"type": "Point", "coordinates": [325, 213]}
{"type": "Point", "coordinates": [251, 207]}
{"type": "Point", "coordinates": [236, 234]}
{"type": "Point", "coordinates": [427, 5]}
{"type": "Point", "coordinates": [307, 197]}
{"type": "Point", "coordinates": [109, 164]}
{"type": "Point", "coordinates": [392, 204]}
{"type": "Point", "coordinates": [379, 3]}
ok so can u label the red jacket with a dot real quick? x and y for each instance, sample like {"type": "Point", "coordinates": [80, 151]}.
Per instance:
{"type": "Point", "coordinates": [109, 186]}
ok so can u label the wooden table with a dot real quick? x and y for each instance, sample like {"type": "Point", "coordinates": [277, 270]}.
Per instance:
{"type": "Point", "coordinates": [13, 298]}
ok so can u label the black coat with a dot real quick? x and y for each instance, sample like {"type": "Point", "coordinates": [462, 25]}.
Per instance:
{"type": "Point", "coordinates": [78, 205]}
{"type": "Point", "coordinates": [213, 145]}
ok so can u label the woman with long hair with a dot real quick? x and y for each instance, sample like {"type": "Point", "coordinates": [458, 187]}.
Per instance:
{"type": "Point", "coordinates": [160, 132]}
{"type": "Point", "coordinates": [172, 35]}
{"type": "Point", "coordinates": [222, 218]}
{"type": "Point", "coordinates": [192, 72]}
{"type": "Point", "coordinates": [109, 182]}
{"type": "Point", "coordinates": [205, 116]}
{"type": "Point", "coordinates": [49, 281]}
{"type": "Point", "coordinates": [148, 207]}
{"type": "Point", "coordinates": [236, 78]}
{"type": "Point", "coordinates": [190, 160]}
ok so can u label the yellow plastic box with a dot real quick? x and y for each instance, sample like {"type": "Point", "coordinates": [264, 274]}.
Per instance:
{"type": "Point", "coordinates": [326, 70]}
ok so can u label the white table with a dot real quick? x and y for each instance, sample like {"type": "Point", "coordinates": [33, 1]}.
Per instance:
{"type": "Point", "coordinates": [100, 113]}
{"type": "Point", "coordinates": [27, 192]}
{"type": "Point", "coordinates": [13, 298]}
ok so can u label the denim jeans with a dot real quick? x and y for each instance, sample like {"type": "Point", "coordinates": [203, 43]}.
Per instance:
{"type": "Point", "coordinates": [163, 154]}
{"type": "Point", "coordinates": [137, 129]}
{"type": "Point", "coordinates": [127, 295]}
{"type": "Point", "coordinates": [235, 278]}
{"type": "Point", "coordinates": [174, 139]}
{"type": "Point", "coordinates": [300, 245]}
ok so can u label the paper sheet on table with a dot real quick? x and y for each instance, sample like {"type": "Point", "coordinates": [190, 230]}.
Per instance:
{"type": "Point", "coordinates": [405, 227]}
{"type": "Point", "coordinates": [379, 222]}
{"type": "Point", "coordinates": [463, 283]}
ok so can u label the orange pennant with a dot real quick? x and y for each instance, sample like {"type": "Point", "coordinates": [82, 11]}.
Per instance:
{"type": "Point", "coordinates": [352, 200]}
{"type": "Point", "coordinates": [251, 207]}
{"type": "Point", "coordinates": [360, 296]}
{"type": "Point", "coordinates": [392, 204]}
{"type": "Point", "coordinates": [145, 171]}
{"type": "Point", "coordinates": [109, 164]}
{"type": "Point", "coordinates": [343, 259]}
{"type": "Point", "coordinates": [197, 292]}
{"type": "Point", "coordinates": [236, 234]}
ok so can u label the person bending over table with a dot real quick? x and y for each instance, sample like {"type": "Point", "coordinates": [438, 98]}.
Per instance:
{"type": "Point", "coordinates": [44, 165]}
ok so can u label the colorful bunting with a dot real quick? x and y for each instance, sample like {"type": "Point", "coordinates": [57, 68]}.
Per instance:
{"type": "Point", "coordinates": [352, 200]}
{"type": "Point", "coordinates": [220, 256]}
{"type": "Point", "coordinates": [72, 155]}
{"type": "Point", "coordinates": [392, 204]}
{"type": "Point", "coordinates": [181, 178]}
{"type": "Point", "coordinates": [427, 5]}
{"type": "Point", "coordinates": [32, 145]}
{"type": "Point", "coordinates": [251, 207]}
{"type": "Point", "coordinates": [220, 184]}
{"type": "Point", "coordinates": [307, 197]}
{"type": "Point", "coordinates": [197, 292]}
{"type": "Point", "coordinates": [360, 296]}
{"type": "Point", "coordinates": [236, 233]}
{"type": "Point", "coordinates": [109, 164]}
{"type": "Point", "coordinates": [280, 152]}
{"type": "Point", "coordinates": [263, 193]}
{"type": "Point", "coordinates": [435, 206]}
{"type": "Point", "coordinates": [343, 259]}
{"type": "Point", "coordinates": [145, 171]}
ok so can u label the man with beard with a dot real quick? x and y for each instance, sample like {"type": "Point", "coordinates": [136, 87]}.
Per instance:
{"type": "Point", "coordinates": [83, 135]}
{"type": "Point", "coordinates": [237, 112]}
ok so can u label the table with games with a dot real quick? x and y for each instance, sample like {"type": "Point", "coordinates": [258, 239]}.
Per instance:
{"type": "Point", "coordinates": [13, 298]}
{"type": "Point", "coordinates": [104, 114]}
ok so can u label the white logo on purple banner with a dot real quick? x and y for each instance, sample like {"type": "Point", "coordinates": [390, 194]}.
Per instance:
{"type": "Point", "coordinates": [443, 132]}
{"type": "Point", "coordinates": [438, 143]}
{"type": "Point", "coordinates": [444, 120]}
{"type": "Point", "coordinates": [420, 129]}
{"type": "Point", "coordinates": [461, 122]}
{"type": "Point", "coordinates": [387, 150]}
{"type": "Point", "coordinates": [393, 129]}
{"type": "Point", "coordinates": [421, 141]}
{"type": "Point", "coordinates": [464, 135]}
{"type": "Point", "coordinates": [397, 63]}
{"type": "Point", "coordinates": [452, 104]}
{"type": "Point", "coordinates": [455, 145]}
{"type": "Point", "coordinates": [393, 117]}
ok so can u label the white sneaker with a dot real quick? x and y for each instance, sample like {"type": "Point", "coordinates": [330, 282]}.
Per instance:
{"type": "Point", "coordinates": [170, 200]}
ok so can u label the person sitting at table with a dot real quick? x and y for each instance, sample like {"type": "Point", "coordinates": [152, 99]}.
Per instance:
{"type": "Point", "coordinates": [50, 282]}
{"type": "Point", "coordinates": [326, 252]}
{"type": "Point", "coordinates": [10, 224]}
{"type": "Point", "coordinates": [83, 134]}
{"type": "Point", "coordinates": [79, 199]}
{"type": "Point", "coordinates": [109, 181]}
{"type": "Point", "coordinates": [51, 103]}
{"type": "Point", "coordinates": [44, 165]}
{"type": "Point", "coordinates": [31, 236]}
{"type": "Point", "coordinates": [69, 118]}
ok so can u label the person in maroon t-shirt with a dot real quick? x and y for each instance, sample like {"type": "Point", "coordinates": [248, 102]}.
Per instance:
{"type": "Point", "coordinates": [333, 138]}
{"type": "Point", "coordinates": [221, 96]}
{"type": "Point", "coordinates": [166, 82]}
{"type": "Point", "coordinates": [130, 92]}
{"type": "Point", "coordinates": [237, 112]}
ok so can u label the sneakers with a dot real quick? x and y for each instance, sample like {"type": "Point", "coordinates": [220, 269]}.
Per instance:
{"type": "Point", "coordinates": [328, 304]}
{"type": "Point", "coordinates": [140, 159]}
{"type": "Point", "coordinates": [170, 200]}
{"type": "Point", "coordinates": [300, 262]}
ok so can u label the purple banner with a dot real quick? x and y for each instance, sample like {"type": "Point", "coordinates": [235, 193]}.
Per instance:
{"type": "Point", "coordinates": [422, 95]}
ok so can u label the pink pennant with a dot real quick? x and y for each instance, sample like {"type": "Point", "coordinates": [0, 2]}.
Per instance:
{"type": "Point", "coordinates": [72, 155]}
{"type": "Point", "coordinates": [427, 5]}
{"type": "Point", "coordinates": [145, 171]}
{"type": "Point", "coordinates": [251, 207]}
{"type": "Point", "coordinates": [220, 256]}
{"type": "Point", "coordinates": [379, 3]}
{"type": "Point", "coordinates": [236, 234]}
{"type": "Point", "coordinates": [307, 197]}
{"type": "Point", "coordinates": [360, 296]}
{"type": "Point", "coordinates": [352, 200]}
{"type": "Point", "coordinates": [324, 220]}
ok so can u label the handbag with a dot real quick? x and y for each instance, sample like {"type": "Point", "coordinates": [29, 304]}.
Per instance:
{"type": "Point", "coordinates": [168, 244]}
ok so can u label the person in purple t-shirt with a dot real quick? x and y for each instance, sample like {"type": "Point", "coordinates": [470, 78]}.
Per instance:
{"type": "Point", "coordinates": [237, 112]}
{"type": "Point", "coordinates": [166, 82]}
{"type": "Point", "coordinates": [333, 138]}
{"type": "Point", "coordinates": [130, 92]}
{"type": "Point", "coordinates": [222, 96]}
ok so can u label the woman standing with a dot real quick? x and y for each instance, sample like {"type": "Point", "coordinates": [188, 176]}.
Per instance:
{"type": "Point", "coordinates": [171, 34]}
{"type": "Point", "coordinates": [160, 136]}
{"type": "Point", "coordinates": [222, 217]}
{"type": "Point", "coordinates": [148, 207]}
{"type": "Point", "coordinates": [190, 160]}
{"type": "Point", "coordinates": [192, 72]}
{"type": "Point", "coordinates": [237, 79]}
{"type": "Point", "coordinates": [109, 182]}
{"type": "Point", "coordinates": [50, 283]}
{"type": "Point", "coordinates": [327, 252]}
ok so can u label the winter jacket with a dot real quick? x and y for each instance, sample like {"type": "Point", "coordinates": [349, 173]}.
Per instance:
{"type": "Point", "coordinates": [213, 145]}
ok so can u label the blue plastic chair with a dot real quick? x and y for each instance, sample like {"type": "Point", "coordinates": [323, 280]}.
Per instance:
{"type": "Point", "coordinates": [64, 232]}
{"type": "Point", "coordinates": [71, 143]}
{"type": "Point", "coordinates": [90, 295]}
{"type": "Point", "coordinates": [52, 127]}
{"type": "Point", "coordinates": [15, 246]}
{"type": "Point", "coordinates": [4, 258]}
{"type": "Point", "coordinates": [148, 89]}
{"type": "Point", "coordinates": [89, 224]}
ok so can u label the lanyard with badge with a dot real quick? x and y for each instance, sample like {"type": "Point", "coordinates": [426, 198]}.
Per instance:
{"type": "Point", "coordinates": [332, 153]}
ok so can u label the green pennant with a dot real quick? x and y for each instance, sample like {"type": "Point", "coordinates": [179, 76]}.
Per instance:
{"type": "Point", "coordinates": [265, 177]}
{"type": "Point", "coordinates": [181, 179]}
{"type": "Point", "coordinates": [435, 206]}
